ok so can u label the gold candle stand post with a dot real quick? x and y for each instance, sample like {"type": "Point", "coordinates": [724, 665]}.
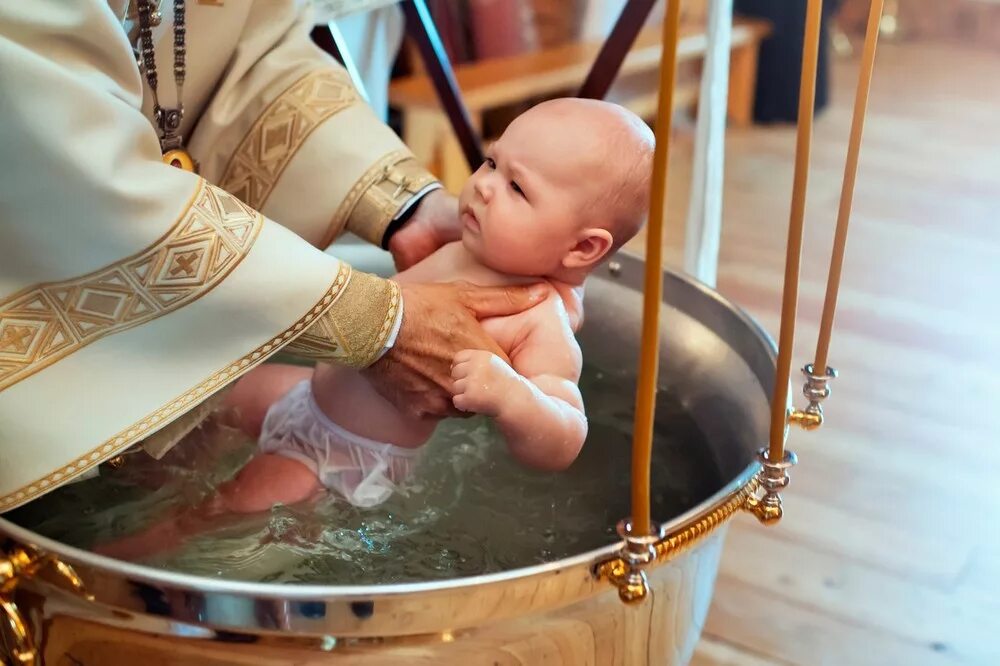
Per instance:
{"type": "Point", "coordinates": [642, 544]}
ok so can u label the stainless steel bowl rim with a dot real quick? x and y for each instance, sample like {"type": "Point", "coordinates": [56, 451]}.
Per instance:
{"type": "Point", "coordinates": [304, 592]}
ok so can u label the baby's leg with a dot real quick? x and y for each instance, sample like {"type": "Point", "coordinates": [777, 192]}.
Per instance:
{"type": "Point", "coordinates": [254, 393]}
{"type": "Point", "coordinates": [266, 480]}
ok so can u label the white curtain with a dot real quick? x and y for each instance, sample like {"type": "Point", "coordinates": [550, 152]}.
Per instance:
{"type": "Point", "coordinates": [600, 16]}
{"type": "Point", "coordinates": [372, 31]}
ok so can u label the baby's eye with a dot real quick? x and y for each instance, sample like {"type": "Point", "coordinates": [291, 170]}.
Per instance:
{"type": "Point", "coordinates": [490, 163]}
{"type": "Point", "coordinates": [517, 188]}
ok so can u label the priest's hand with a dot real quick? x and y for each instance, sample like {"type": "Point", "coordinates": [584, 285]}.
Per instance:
{"type": "Point", "coordinates": [439, 321]}
{"type": "Point", "coordinates": [434, 223]}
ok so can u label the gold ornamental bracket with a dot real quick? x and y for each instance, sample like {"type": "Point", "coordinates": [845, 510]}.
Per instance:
{"type": "Point", "coordinates": [643, 544]}
{"type": "Point", "coordinates": [19, 564]}
{"type": "Point", "coordinates": [627, 571]}
{"type": "Point", "coordinates": [774, 475]}
{"type": "Point", "coordinates": [816, 390]}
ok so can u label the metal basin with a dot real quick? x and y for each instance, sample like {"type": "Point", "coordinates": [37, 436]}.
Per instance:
{"type": "Point", "coordinates": [715, 359]}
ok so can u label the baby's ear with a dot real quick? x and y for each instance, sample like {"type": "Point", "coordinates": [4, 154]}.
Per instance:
{"type": "Point", "coordinates": [591, 246]}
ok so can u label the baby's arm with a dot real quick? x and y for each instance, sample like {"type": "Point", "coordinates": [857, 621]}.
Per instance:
{"type": "Point", "coordinates": [536, 403]}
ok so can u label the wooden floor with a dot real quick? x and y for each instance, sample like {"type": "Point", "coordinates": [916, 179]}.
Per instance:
{"type": "Point", "coordinates": [889, 552]}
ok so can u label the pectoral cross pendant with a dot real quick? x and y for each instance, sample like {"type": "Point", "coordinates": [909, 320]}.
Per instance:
{"type": "Point", "coordinates": [171, 142]}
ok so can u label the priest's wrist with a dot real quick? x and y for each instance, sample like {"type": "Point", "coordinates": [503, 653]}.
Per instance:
{"type": "Point", "coordinates": [433, 223]}
{"type": "Point", "coordinates": [394, 331]}
{"type": "Point", "coordinates": [408, 212]}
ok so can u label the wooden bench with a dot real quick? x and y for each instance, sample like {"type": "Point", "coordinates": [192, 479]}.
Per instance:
{"type": "Point", "coordinates": [496, 82]}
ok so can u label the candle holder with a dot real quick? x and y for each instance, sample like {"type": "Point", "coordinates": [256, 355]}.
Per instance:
{"type": "Point", "coordinates": [627, 572]}
{"type": "Point", "coordinates": [773, 478]}
{"type": "Point", "coordinates": [816, 390]}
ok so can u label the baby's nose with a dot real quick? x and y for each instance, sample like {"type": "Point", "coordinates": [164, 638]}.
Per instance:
{"type": "Point", "coordinates": [484, 189]}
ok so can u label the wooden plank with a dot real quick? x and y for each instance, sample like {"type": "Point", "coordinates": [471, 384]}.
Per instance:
{"type": "Point", "coordinates": [712, 651]}
{"type": "Point", "coordinates": [856, 537]}
{"type": "Point", "coordinates": [497, 81]}
{"type": "Point", "coordinates": [749, 617]}
{"type": "Point", "coordinates": [888, 553]}
{"type": "Point", "coordinates": [981, 580]}
{"type": "Point", "coordinates": [887, 601]}
{"type": "Point", "coordinates": [742, 85]}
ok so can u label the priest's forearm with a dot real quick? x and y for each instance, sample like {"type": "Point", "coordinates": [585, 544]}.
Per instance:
{"type": "Point", "coordinates": [391, 190]}
{"type": "Point", "coordinates": [359, 325]}
{"type": "Point", "coordinates": [288, 134]}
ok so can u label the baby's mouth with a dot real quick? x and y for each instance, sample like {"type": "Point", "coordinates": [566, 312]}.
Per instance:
{"type": "Point", "coordinates": [469, 220]}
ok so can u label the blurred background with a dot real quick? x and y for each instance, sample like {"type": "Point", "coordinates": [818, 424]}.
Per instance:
{"type": "Point", "coordinates": [889, 552]}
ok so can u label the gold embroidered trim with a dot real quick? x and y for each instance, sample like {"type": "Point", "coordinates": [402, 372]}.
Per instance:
{"type": "Point", "coordinates": [350, 200]}
{"type": "Point", "coordinates": [355, 329]}
{"type": "Point", "coordinates": [46, 323]}
{"type": "Point", "coordinates": [378, 196]}
{"type": "Point", "coordinates": [279, 132]}
{"type": "Point", "coordinates": [160, 442]}
{"type": "Point", "coordinates": [180, 405]}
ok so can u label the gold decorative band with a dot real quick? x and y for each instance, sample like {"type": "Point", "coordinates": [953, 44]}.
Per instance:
{"type": "Point", "coordinates": [687, 536]}
{"type": "Point", "coordinates": [260, 159]}
{"type": "Point", "coordinates": [160, 442]}
{"type": "Point", "coordinates": [176, 407]}
{"type": "Point", "coordinates": [378, 196]}
{"type": "Point", "coordinates": [617, 570]}
{"type": "Point", "coordinates": [356, 327]}
{"type": "Point", "coordinates": [48, 322]}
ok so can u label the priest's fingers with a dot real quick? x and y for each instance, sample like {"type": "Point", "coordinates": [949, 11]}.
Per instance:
{"type": "Point", "coordinates": [438, 326]}
{"type": "Point", "coordinates": [501, 301]}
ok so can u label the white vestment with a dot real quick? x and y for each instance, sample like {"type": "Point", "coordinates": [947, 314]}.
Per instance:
{"type": "Point", "coordinates": [131, 291]}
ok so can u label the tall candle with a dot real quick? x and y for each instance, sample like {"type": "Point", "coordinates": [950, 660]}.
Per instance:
{"type": "Point", "coordinates": [793, 252]}
{"type": "Point", "coordinates": [847, 190]}
{"type": "Point", "coordinates": [642, 436]}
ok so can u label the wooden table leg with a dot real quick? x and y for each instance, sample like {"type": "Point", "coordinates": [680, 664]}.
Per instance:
{"type": "Point", "coordinates": [454, 168]}
{"type": "Point", "coordinates": [434, 143]}
{"type": "Point", "coordinates": [423, 131]}
{"type": "Point", "coordinates": [743, 84]}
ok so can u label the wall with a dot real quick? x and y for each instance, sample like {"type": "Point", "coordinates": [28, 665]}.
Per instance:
{"type": "Point", "coordinates": [971, 22]}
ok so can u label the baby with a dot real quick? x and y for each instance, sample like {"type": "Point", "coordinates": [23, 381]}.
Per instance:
{"type": "Point", "coordinates": [566, 184]}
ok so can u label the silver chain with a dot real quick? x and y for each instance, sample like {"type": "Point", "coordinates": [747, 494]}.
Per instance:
{"type": "Point", "coordinates": [167, 119]}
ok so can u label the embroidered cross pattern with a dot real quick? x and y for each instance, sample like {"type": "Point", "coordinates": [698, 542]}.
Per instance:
{"type": "Point", "coordinates": [185, 264]}
{"type": "Point", "coordinates": [47, 322]}
{"type": "Point", "coordinates": [281, 130]}
{"type": "Point", "coordinates": [16, 338]}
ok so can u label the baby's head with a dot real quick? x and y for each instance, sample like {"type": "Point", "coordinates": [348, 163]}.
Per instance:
{"type": "Point", "coordinates": [566, 183]}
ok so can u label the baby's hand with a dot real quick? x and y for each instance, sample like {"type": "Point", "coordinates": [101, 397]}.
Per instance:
{"type": "Point", "coordinates": [481, 381]}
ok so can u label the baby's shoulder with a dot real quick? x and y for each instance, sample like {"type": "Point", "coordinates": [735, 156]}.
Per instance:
{"type": "Point", "coordinates": [551, 323]}
{"type": "Point", "coordinates": [564, 306]}
{"type": "Point", "coordinates": [548, 345]}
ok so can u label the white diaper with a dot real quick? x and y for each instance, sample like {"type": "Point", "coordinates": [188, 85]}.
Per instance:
{"type": "Point", "coordinates": [365, 472]}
